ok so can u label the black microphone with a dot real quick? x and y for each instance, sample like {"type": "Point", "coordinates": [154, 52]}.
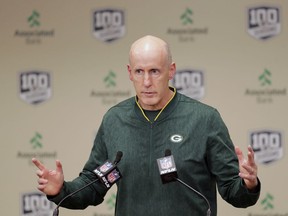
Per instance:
{"type": "Point", "coordinates": [167, 167]}
{"type": "Point", "coordinates": [108, 173]}
{"type": "Point", "coordinates": [168, 173]}
{"type": "Point", "coordinates": [167, 152]}
{"type": "Point", "coordinates": [111, 174]}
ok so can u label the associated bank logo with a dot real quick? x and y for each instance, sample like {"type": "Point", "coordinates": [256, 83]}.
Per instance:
{"type": "Point", "coordinates": [186, 17]}
{"type": "Point", "coordinates": [190, 83]}
{"type": "Point", "coordinates": [267, 202]}
{"type": "Point", "coordinates": [268, 207]}
{"type": "Point", "coordinates": [187, 30]}
{"type": "Point", "coordinates": [264, 22]}
{"type": "Point", "coordinates": [108, 24]}
{"type": "Point", "coordinates": [110, 94]}
{"type": "Point", "coordinates": [111, 202]}
{"type": "Point", "coordinates": [266, 92]}
{"type": "Point", "coordinates": [36, 141]}
{"type": "Point", "coordinates": [33, 33]}
{"type": "Point", "coordinates": [33, 19]}
{"type": "Point", "coordinates": [109, 80]}
{"type": "Point", "coordinates": [36, 204]}
{"type": "Point", "coordinates": [36, 149]}
{"type": "Point", "coordinates": [35, 86]}
{"type": "Point", "coordinates": [265, 78]}
{"type": "Point", "coordinates": [267, 145]}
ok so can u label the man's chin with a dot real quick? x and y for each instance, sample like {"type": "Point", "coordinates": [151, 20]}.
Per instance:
{"type": "Point", "coordinates": [148, 104]}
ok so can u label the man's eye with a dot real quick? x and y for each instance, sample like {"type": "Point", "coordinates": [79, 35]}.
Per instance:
{"type": "Point", "coordinates": [155, 72]}
{"type": "Point", "coordinates": [138, 72]}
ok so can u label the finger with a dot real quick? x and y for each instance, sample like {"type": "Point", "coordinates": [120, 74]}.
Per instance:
{"type": "Point", "coordinates": [248, 177]}
{"type": "Point", "coordinates": [52, 172]}
{"type": "Point", "coordinates": [251, 159]}
{"type": "Point", "coordinates": [38, 164]}
{"type": "Point", "coordinates": [250, 149]}
{"type": "Point", "coordinates": [239, 154]}
{"type": "Point", "coordinates": [41, 187]}
{"type": "Point", "coordinates": [42, 181]}
{"type": "Point", "coordinates": [39, 173]}
{"type": "Point", "coordinates": [59, 167]}
{"type": "Point", "coordinates": [251, 170]}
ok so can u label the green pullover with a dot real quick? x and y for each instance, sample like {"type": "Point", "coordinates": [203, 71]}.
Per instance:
{"type": "Point", "coordinates": [203, 152]}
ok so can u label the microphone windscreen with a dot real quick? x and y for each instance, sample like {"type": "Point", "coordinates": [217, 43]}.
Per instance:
{"type": "Point", "coordinates": [118, 157]}
{"type": "Point", "coordinates": [167, 152]}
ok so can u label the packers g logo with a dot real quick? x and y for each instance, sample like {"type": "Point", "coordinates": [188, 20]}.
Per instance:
{"type": "Point", "coordinates": [176, 138]}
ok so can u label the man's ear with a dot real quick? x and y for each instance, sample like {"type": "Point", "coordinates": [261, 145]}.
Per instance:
{"type": "Point", "coordinates": [129, 72]}
{"type": "Point", "coordinates": [172, 70]}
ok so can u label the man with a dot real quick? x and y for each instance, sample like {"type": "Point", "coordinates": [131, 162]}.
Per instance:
{"type": "Point", "coordinates": [143, 128]}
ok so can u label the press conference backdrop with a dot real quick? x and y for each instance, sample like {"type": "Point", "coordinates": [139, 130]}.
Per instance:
{"type": "Point", "coordinates": [63, 64]}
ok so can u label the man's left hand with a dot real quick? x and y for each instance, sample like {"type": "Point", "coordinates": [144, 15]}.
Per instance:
{"type": "Point", "coordinates": [248, 168]}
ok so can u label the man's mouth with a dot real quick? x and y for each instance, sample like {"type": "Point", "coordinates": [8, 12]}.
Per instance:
{"type": "Point", "coordinates": [148, 93]}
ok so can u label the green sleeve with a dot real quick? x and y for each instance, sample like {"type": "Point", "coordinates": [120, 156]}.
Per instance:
{"type": "Point", "coordinates": [224, 165]}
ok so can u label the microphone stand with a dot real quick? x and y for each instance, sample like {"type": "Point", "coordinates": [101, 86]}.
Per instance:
{"type": "Point", "coordinates": [56, 210]}
{"type": "Point", "coordinates": [197, 192]}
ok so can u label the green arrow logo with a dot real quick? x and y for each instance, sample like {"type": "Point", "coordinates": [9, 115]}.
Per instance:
{"type": "Point", "coordinates": [36, 141]}
{"type": "Point", "coordinates": [111, 201]}
{"type": "Point", "coordinates": [265, 78]}
{"type": "Point", "coordinates": [109, 80]}
{"type": "Point", "coordinates": [267, 202]}
{"type": "Point", "coordinates": [186, 17]}
{"type": "Point", "coordinates": [33, 19]}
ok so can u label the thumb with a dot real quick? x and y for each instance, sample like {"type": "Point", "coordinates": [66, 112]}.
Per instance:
{"type": "Point", "coordinates": [59, 167]}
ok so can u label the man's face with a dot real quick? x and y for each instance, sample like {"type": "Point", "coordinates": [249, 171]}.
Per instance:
{"type": "Point", "coordinates": [150, 73]}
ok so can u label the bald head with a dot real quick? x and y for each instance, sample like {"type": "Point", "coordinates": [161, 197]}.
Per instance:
{"type": "Point", "coordinates": [150, 44]}
{"type": "Point", "coordinates": [150, 68]}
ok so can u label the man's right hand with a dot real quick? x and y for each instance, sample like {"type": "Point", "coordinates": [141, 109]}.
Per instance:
{"type": "Point", "coordinates": [50, 182]}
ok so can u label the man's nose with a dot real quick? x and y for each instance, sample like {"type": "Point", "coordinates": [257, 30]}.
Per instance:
{"type": "Point", "coordinates": [147, 79]}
